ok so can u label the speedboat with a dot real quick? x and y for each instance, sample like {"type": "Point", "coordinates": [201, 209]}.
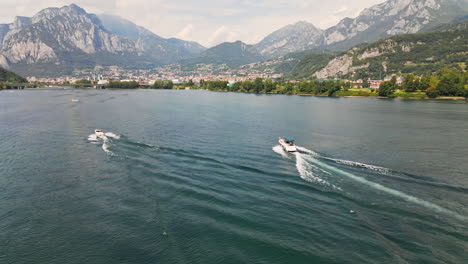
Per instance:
{"type": "Point", "coordinates": [287, 143]}
{"type": "Point", "coordinates": [99, 132]}
{"type": "Point", "coordinates": [75, 100]}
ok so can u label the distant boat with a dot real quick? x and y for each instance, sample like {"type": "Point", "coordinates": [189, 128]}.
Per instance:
{"type": "Point", "coordinates": [75, 100]}
{"type": "Point", "coordinates": [288, 144]}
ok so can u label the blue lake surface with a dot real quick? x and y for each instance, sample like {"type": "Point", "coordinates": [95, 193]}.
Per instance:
{"type": "Point", "coordinates": [198, 177]}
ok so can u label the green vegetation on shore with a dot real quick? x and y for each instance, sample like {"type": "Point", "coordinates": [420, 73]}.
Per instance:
{"type": "Point", "coordinates": [446, 82]}
{"type": "Point", "coordinates": [123, 85]}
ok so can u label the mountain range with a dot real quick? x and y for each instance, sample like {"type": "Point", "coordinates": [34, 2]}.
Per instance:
{"type": "Point", "coordinates": [57, 41]}
{"type": "Point", "coordinates": [393, 17]}
{"type": "Point", "coordinates": [63, 39]}
{"type": "Point", "coordinates": [417, 53]}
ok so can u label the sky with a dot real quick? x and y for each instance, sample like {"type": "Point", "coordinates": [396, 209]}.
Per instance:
{"type": "Point", "coordinates": [208, 22]}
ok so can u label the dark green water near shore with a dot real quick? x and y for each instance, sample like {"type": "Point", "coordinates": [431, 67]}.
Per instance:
{"type": "Point", "coordinates": [197, 177]}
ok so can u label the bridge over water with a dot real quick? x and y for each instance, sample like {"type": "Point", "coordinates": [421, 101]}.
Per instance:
{"type": "Point", "coordinates": [19, 86]}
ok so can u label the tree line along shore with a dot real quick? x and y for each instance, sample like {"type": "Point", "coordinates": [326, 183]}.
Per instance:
{"type": "Point", "coordinates": [447, 82]}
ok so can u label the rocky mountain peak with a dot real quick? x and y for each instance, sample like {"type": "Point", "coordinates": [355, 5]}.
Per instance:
{"type": "Point", "coordinates": [389, 18]}
{"type": "Point", "coordinates": [394, 17]}
{"type": "Point", "coordinates": [21, 22]}
{"type": "Point", "coordinates": [56, 36]}
{"type": "Point", "coordinates": [295, 37]}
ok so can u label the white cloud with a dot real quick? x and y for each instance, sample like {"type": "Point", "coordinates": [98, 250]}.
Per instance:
{"type": "Point", "coordinates": [222, 34]}
{"type": "Point", "coordinates": [206, 21]}
{"type": "Point", "coordinates": [185, 33]}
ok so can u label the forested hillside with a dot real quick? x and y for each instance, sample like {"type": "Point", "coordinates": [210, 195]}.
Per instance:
{"type": "Point", "coordinates": [8, 76]}
{"type": "Point", "coordinates": [411, 53]}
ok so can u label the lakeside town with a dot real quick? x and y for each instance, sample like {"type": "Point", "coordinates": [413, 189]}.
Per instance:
{"type": "Point", "coordinates": [174, 73]}
{"type": "Point", "coordinates": [179, 76]}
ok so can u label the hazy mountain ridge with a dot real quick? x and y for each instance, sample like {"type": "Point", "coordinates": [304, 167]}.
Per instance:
{"type": "Point", "coordinates": [232, 54]}
{"type": "Point", "coordinates": [165, 50]}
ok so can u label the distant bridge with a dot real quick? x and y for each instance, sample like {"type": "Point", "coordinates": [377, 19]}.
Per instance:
{"type": "Point", "coordinates": [17, 86]}
{"type": "Point", "coordinates": [95, 86]}
{"type": "Point", "coordinates": [20, 86]}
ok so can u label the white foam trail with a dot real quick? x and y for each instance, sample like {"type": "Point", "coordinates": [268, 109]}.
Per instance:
{"type": "Point", "coordinates": [92, 137]}
{"type": "Point", "coordinates": [359, 164]}
{"type": "Point", "coordinates": [112, 135]}
{"type": "Point", "coordinates": [279, 150]}
{"type": "Point", "coordinates": [105, 147]}
{"type": "Point", "coordinates": [105, 140]}
{"type": "Point", "coordinates": [308, 151]}
{"type": "Point", "coordinates": [306, 171]}
{"type": "Point", "coordinates": [393, 192]}
{"type": "Point", "coordinates": [345, 162]}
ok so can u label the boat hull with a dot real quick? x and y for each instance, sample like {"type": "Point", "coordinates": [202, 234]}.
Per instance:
{"type": "Point", "coordinates": [99, 133]}
{"type": "Point", "coordinates": [287, 147]}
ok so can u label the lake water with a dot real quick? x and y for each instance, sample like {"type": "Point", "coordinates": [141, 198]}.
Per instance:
{"type": "Point", "coordinates": [197, 177]}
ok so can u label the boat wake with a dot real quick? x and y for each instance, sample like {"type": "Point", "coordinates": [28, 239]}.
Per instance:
{"type": "Point", "coordinates": [315, 168]}
{"type": "Point", "coordinates": [279, 150]}
{"type": "Point", "coordinates": [105, 139]}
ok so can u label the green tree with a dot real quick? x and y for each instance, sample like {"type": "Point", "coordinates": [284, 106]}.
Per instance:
{"type": "Point", "coordinates": [258, 85]}
{"type": "Point", "coordinates": [288, 88]}
{"type": "Point", "coordinates": [333, 87]}
{"type": "Point", "coordinates": [409, 83]}
{"type": "Point", "coordinates": [365, 83]}
{"type": "Point", "coordinates": [451, 83]}
{"type": "Point", "coordinates": [386, 88]}
{"type": "Point", "coordinates": [424, 82]}
{"type": "Point", "coordinates": [394, 83]}
{"type": "Point", "coordinates": [269, 86]}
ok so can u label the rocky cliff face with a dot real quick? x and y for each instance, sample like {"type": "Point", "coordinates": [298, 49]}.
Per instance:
{"type": "Point", "coordinates": [390, 18]}
{"type": "Point", "coordinates": [57, 35]}
{"type": "Point", "coordinates": [56, 30]}
{"type": "Point", "coordinates": [394, 17]}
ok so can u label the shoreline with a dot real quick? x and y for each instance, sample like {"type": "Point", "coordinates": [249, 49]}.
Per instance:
{"type": "Point", "coordinates": [454, 98]}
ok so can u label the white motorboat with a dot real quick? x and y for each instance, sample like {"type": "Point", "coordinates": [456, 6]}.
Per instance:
{"type": "Point", "coordinates": [99, 132]}
{"type": "Point", "coordinates": [75, 100]}
{"type": "Point", "coordinates": [288, 144]}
